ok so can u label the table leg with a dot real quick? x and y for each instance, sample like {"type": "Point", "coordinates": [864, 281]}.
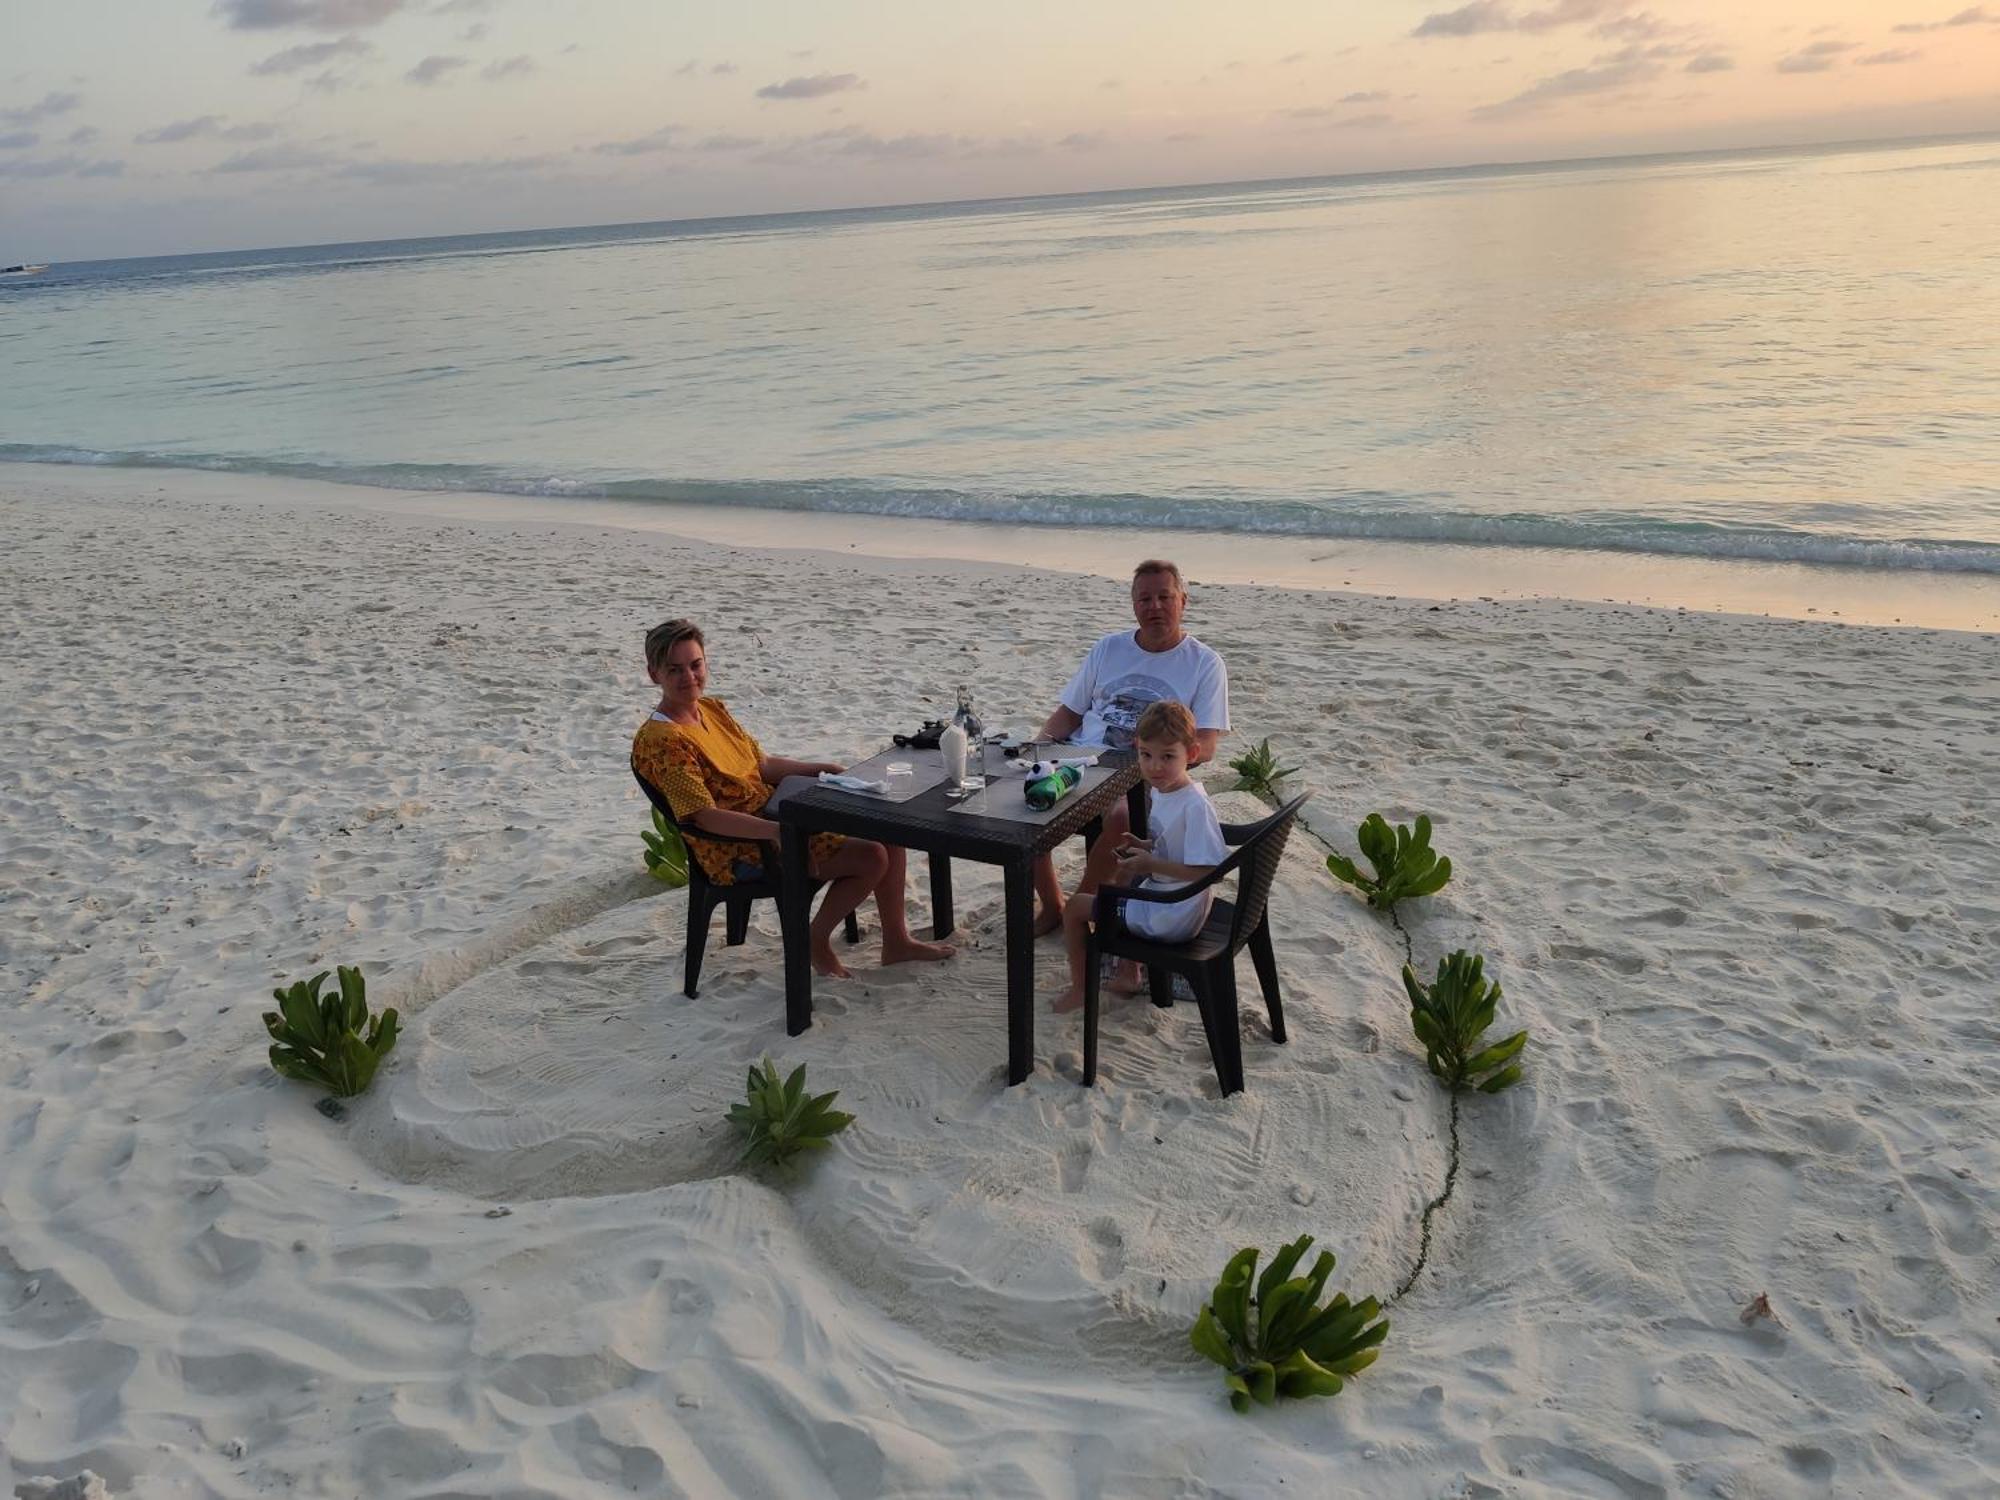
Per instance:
{"type": "Point", "coordinates": [941, 913]}
{"type": "Point", "coordinates": [1019, 879]}
{"type": "Point", "coordinates": [795, 917]}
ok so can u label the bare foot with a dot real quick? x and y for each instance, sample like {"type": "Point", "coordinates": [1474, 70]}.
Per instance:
{"type": "Point", "coordinates": [1071, 999]}
{"type": "Point", "coordinates": [1048, 920]}
{"type": "Point", "coordinates": [1125, 980]}
{"type": "Point", "coordinates": [911, 951]}
{"type": "Point", "coordinates": [826, 963]}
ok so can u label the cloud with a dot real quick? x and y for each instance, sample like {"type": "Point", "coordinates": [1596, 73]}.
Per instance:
{"type": "Point", "coordinates": [1642, 26]}
{"type": "Point", "coordinates": [83, 135]}
{"type": "Point", "coordinates": [45, 108]}
{"type": "Point", "coordinates": [311, 55]}
{"type": "Point", "coordinates": [728, 142]}
{"type": "Point", "coordinates": [1817, 58]}
{"type": "Point", "coordinates": [62, 166]}
{"type": "Point", "coordinates": [1483, 16]}
{"type": "Point", "coordinates": [1978, 15]}
{"type": "Point", "coordinates": [817, 86]}
{"type": "Point", "coordinates": [478, 31]}
{"type": "Point", "coordinates": [724, 69]}
{"type": "Point", "coordinates": [1710, 62]}
{"type": "Point", "coordinates": [1082, 140]}
{"type": "Point", "coordinates": [512, 67]}
{"type": "Point", "coordinates": [1571, 84]}
{"type": "Point", "coordinates": [1888, 56]}
{"type": "Point", "coordinates": [20, 140]}
{"type": "Point", "coordinates": [1371, 96]}
{"type": "Point", "coordinates": [1336, 119]}
{"type": "Point", "coordinates": [274, 159]}
{"type": "Point", "coordinates": [1183, 137]}
{"type": "Point", "coordinates": [309, 15]}
{"type": "Point", "coordinates": [434, 67]}
{"type": "Point", "coordinates": [660, 140]}
{"type": "Point", "coordinates": [1291, 57]}
{"type": "Point", "coordinates": [202, 127]}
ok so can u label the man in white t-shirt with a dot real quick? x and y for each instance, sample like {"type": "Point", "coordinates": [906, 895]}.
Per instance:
{"type": "Point", "coordinates": [1120, 676]}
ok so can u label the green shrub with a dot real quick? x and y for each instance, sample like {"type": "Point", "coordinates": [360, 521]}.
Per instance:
{"type": "Point", "coordinates": [1279, 1341]}
{"type": "Point", "coordinates": [320, 1039]}
{"type": "Point", "coordinates": [1403, 861]}
{"type": "Point", "coordinates": [666, 854]}
{"type": "Point", "coordinates": [1451, 1014]}
{"type": "Point", "coordinates": [1257, 771]}
{"type": "Point", "coordinates": [780, 1120]}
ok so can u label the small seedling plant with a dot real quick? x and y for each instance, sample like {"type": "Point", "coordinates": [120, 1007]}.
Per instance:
{"type": "Point", "coordinates": [1274, 1339]}
{"type": "Point", "coordinates": [1402, 858]}
{"type": "Point", "coordinates": [666, 853]}
{"type": "Point", "coordinates": [329, 1040]}
{"type": "Point", "coordinates": [1450, 1016]}
{"type": "Point", "coordinates": [1258, 772]}
{"type": "Point", "coordinates": [780, 1120]}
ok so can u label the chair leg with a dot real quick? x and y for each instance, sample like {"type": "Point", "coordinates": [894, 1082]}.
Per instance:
{"type": "Point", "coordinates": [1160, 983]}
{"type": "Point", "coordinates": [1216, 989]}
{"type": "Point", "coordinates": [1266, 960]}
{"type": "Point", "coordinates": [736, 926]}
{"type": "Point", "coordinates": [853, 929]}
{"type": "Point", "coordinates": [700, 907]}
{"type": "Point", "coordinates": [1089, 1012]}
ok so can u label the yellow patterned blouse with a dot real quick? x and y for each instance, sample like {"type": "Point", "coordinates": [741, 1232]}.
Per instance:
{"type": "Point", "coordinates": [712, 763]}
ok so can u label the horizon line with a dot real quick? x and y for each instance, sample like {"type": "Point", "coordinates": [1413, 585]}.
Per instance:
{"type": "Point", "coordinates": [972, 205]}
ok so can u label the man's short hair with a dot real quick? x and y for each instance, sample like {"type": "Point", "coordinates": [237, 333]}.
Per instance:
{"type": "Point", "coordinates": [662, 639]}
{"type": "Point", "coordinates": [1166, 720]}
{"type": "Point", "coordinates": [1160, 565]}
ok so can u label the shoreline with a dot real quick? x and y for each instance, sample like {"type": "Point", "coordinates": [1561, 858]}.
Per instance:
{"type": "Point", "coordinates": [1438, 571]}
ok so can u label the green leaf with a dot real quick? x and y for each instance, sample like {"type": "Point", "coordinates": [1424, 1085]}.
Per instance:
{"type": "Point", "coordinates": [1506, 1078]}
{"type": "Point", "coordinates": [1239, 1391]}
{"type": "Point", "coordinates": [1495, 1055]}
{"type": "Point", "coordinates": [1208, 1340]}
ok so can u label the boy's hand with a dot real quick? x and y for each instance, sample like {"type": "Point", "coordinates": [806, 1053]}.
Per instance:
{"type": "Point", "coordinates": [1135, 856]}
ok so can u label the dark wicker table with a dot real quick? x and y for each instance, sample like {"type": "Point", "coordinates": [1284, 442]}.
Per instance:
{"type": "Point", "coordinates": [926, 822]}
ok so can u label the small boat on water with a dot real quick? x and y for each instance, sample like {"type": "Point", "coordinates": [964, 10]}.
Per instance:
{"type": "Point", "coordinates": [22, 270]}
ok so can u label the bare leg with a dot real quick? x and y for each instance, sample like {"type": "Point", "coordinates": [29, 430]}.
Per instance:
{"type": "Point", "coordinates": [1127, 980]}
{"type": "Point", "coordinates": [852, 871]}
{"type": "Point", "coordinates": [1048, 896]}
{"type": "Point", "coordinates": [898, 947]}
{"type": "Point", "coordinates": [1104, 853]}
{"type": "Point", "coordinates": [1076, 932]}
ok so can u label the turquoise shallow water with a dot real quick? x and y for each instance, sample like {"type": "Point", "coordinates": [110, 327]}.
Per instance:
{"type": "Point", "coordinates": [1783, 356]}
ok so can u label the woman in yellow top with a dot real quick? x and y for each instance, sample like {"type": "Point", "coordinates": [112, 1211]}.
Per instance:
{"type": "Point", "coordinates": [715, 776]}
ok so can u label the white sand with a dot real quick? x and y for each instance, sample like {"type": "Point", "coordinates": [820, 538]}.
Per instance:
{"type": "Point", "coordinates": [1741, 878]}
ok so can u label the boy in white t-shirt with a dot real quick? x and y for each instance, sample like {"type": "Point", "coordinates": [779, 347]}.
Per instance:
{"type": "Point", "coordinates": [1186, 844]}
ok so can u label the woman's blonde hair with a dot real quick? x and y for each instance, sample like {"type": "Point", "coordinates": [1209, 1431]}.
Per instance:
{"type": "Point", "coordinates": [1166, 720]}
{"type": "Point", "coordinates": [662, 639]}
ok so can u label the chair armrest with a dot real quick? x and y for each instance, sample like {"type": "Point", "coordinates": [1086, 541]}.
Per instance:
{"type": "Point", "coordinates": [1111, 897]}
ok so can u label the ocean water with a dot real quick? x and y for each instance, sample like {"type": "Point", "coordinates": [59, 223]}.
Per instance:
{"type": "Point", "coordinates": [1789, 356]}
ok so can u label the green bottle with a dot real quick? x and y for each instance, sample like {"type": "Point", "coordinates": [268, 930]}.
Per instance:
{"type": "Point", "coordinates": [1047, 789]}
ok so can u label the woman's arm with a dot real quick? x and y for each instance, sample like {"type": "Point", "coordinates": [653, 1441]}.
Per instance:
{"type": "Point", "coordinates": [775, 768]}
{"type": "Point", "coordinates": [734, 824]}
{"type": "Point", "coordinates": [1205, 741]}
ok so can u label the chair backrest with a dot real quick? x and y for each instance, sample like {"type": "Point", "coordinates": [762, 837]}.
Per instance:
{"type": "Point", "coordinates": [655, 796]}
{"type": "Point", "coordinates": [1258, 868]}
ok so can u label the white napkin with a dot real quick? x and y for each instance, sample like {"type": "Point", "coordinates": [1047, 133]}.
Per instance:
{"type": "Point", "coordinates": [851, 783]}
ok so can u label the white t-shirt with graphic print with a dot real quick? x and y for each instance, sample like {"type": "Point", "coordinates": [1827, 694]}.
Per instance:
{"type": "Point", "coordinates": [1119, 679]}
{"type": "Point", "coordinates": [1186, 831]}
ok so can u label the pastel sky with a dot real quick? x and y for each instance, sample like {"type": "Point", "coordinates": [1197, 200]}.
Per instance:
{"type": "Point", "coordinates": [178, 125]}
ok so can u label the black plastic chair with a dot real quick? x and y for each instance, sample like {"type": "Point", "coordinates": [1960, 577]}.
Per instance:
{"type": "Point", "coordinates": [1207, 960]}
{"type": "Point", "coordinates": [704, 895]}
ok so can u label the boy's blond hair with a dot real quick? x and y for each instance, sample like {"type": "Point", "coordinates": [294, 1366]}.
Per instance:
{"type": "Point", "coordinates": [1166, 720]}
